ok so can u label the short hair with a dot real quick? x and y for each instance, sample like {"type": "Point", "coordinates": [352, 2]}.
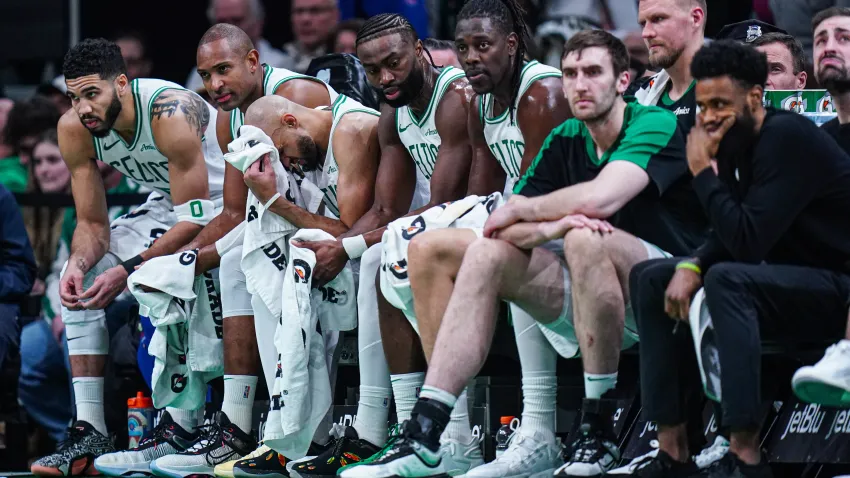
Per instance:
{"type": "Point", "coordinates": [386, 24]}
{"type": "Point", "coordinates": [30, 118]}
{"type": "Point", "coordinates": [48, 136]}
{"type": "Point", "coordinates": [600, 38]}
{"type": "Point", "coordinates": [351, 25]}
{"type": "Point", "coordinates": [700, 3]}
{"type": "Point", "coordinates": [94, 56]}
{"type": "Point", "coordinates": [829, 13]}
{"type": "Point", "coordinates": [255, 7]}
{"type": "Point", "coordinates": [437, 44]}
{"type": "Point", "coordinates": [235, 36]}
{"type": "Point", "coordinates": [742, 63]}
{"type": "Point", "coordinates": [794, 46]}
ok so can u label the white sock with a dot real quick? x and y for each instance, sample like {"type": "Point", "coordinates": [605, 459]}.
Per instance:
{"type": "Point", "coordinates": [406, 387]}
{"type": "Point", "coordinates": [187, 419]}
{"type": "Point", "coordinates": [595, 385]}
{"type": "Point", "coordinates": [442, 396]}
{"type": "Point", "coordinates": [458, 427]}
{"type": "Point", "coordinates": [539, 399]}
{"type": "Point", "coordinates": [88, 395]}
{"type": "Point", "coordinates": [539, 384]}
{"type": "Point", "coordinates": [372, 414]}
{"type": "Point", "coordinates": [238, 401]}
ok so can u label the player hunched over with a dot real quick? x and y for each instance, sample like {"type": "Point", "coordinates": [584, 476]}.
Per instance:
{"type": "Point", "coordinates": [156, 133]}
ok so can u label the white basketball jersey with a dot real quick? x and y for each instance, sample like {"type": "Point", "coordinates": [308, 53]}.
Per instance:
{"type": "Point", "coordinates": [502, 133]}
{"type": "Point", "coordinates": [420, 137]}
{"type": "Point", "coordinates": [140, 160]}
{"type": "Point", "coordinates": [272, 79]}
{"type": "Point", "coordinates": [329, 180]}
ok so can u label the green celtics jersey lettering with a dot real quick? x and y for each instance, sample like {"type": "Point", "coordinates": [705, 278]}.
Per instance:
{"type": "Point", "coordinates": [330, 178]}
{"type": "Point", "coordinates": [502, 133]}
{"type": "Point", "coordinates": [140, 160]}
{"type": "Point", "coordinates": [420, 137]}
{"type": "Point", "coordinates": [272, 79]}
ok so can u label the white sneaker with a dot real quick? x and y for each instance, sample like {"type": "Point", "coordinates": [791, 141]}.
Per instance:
{"type": "Point", "coordinates": [525, 456]}
{"type": "Point", "coordinates": [459, 458]}
{"type": "Point", "coordinates": [828, 381]}
{"type": "Point", "coordinates": [589, 455]}
{"type": "Point", "coordinates": [712, 453]}
{"type": "Point", "coordinates": [636, 463]}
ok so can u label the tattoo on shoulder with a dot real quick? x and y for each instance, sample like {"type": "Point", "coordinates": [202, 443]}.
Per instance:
{"type": "Point", "coordinates": [194, 109]}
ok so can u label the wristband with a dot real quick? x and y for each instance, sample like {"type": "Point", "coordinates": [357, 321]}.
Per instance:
{"type": "Point", "coordinates": [271, 201]}
{"type": "Point", "coordinates": [354, 246]}
{"type": "Point", "coordinates": [130, 264]}
{"type": "Point", "coordinates": [689, 266]}
{"type": "Point", "coordinates": [196, 211]}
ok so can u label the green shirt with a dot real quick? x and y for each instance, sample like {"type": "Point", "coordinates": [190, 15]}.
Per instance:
{"type": "Point", "coordinates": [13, 174]}
{"type": "Point", "coordinates": [666, 213]}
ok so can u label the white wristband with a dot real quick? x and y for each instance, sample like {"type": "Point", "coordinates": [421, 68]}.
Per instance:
{"type": "Point", "coordinates": [271, 201]}
{"type": "Point", "coordinates": [196, 211]}
{"type": "Point", "coordinates": [354, 246]}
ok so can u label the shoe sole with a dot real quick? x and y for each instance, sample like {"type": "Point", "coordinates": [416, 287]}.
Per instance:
{"type": "Point", "coordinates": [537, 474]}
{"type": "Point", "coordinates": [241, 474]}
{"type": "Point", "coordinates": [188, 472]}
{"type": "Point", "coordinates": [817, 390]}
{"type": "Point", "coordinates": [124, 472]}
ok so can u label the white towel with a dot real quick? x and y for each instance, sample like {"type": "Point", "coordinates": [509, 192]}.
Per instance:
{"type": "Point", "coordinates": [657, 86]}
{"type": "Point", "coordinates": [470, 212]}
{"type": "Point", "coordinates": [187, 342]}
{"type": "Point", "coordinates": [302, 393]}
{"type": "Point", "coordinates": [264, 245]}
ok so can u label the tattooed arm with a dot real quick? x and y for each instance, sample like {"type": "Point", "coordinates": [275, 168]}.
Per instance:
{"type": "Point", "coordinates": [179, 119]}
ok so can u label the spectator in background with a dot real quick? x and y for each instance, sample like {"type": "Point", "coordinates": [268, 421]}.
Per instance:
{"type": "Point", "coordinates": [442, 52]}
{"type": "Point", "coordinates": [12, 174]}
{"type": "Point", "coordinates": [794, 16]}
{"type": "Point", "coordinates": [313, 22]}
{"type": "Point", "coordinates": [134, 50]}
{"type": "Point", "coordinates": [55, 92]}
{"type": "Point", "coordinates": [249, 15]}
{"type": "Point", "coordinates": [786, 61]}
{"type": "Point", "coordinates": [26, 121]}
{"type": "Point", "coordinates": [345, 37]}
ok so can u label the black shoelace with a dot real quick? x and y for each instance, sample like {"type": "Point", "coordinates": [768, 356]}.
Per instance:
{"type": "Point", "coordinates": [74, 437]}
{"type": "Point", "coordinates": [587, 449]}
{"type": "Point", "coordinates": [210, 434]}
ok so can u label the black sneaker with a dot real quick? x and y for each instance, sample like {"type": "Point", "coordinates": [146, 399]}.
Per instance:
{"type": "Point", "coordinates": [347, 450]}
{"type": "Point", "coordinates": [663, 465]}
{"type": "Point", "coordinates": [76, 454]}
{"type": "Point", "coordinates": [166, 438]}
{"type": "Point", "coordinates": [263, 463]}
{"type": "Point", "coordinates": [730, 466]}
{"type": "Point", "coordinates": [594, 452]}
{"type": "Point", "coordinates": [221, 442]}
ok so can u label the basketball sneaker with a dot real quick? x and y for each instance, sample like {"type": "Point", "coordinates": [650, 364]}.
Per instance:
{"type": "Point", "coordinates": [347, 450]}
{"type": "Point", "coordinates": [76, 454]}
{"type": "Point", "coordinates": [526, 455]}
{"type": "Point", "coordinates": [166, 438]}
{"type": "Point", "coordinates": [828, 381]}
{"type": "Point", "coordinates": [221, 441]}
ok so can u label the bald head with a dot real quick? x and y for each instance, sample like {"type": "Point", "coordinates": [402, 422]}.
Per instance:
{"type": "Point", "coordinates": [237, 39]}
{"type": "Point", "coordinates": [267, 112]}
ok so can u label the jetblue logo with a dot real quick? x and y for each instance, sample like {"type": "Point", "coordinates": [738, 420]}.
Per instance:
{"type": "Point", "coordinates": [806, 421]}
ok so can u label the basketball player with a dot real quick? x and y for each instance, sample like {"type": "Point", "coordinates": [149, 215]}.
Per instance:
{"type": "Point", "coordinates": [616, 159]}
{"type": "Point", "coordinates": [519, 104]}
{"type": "Point", "coordinates": [673, 30]}
{"type": "Point", "coordinates": [158, 134]}
{"type": "Point", "coordinates": [425, 161]}
{"type": "Point", "coordinates": [230, 68]}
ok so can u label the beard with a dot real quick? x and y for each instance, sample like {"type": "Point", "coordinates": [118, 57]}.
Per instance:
{"type": "Point", "coordinates": [739, 137]}
{"type": "Point", "coordinates": [835, 80]}
{"type": "Point", "coordinates": [409, 89]}
{"type": "Point", "coordinates": [308, 154]}
{"type": "Point", "coordinates": [665, 59]}
{"type": "Point", "coordinates": [108, 121]}
{"type": "Point", "coordinates": [603, 107]}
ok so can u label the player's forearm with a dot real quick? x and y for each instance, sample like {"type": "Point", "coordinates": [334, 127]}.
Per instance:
{"type": "Point", "coordinates": [216, 229]}
{"type": "Point", "coordinates": [579, 199]}
{"type": "Point", "coordinates": [303, 219]}
{"type": "Point", "coordinates": [89, 244]}
{"type": "Point", "coordinates": [374, 235]}
{"type": "Point", "coordinates": [178, 236]}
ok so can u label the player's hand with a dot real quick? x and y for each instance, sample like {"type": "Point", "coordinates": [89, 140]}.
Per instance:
{"type": "Point", "coordinates": [106, 287]}
{"type": "Point", "coordinates": [261, 179]}
{"type": "Point", "coordinates": [330, 259]}
{"type": "Point", "coordinates": [703, 141]}
{"type": "Point", "coordinates": [680, 291]}
{"type": "Point", "coordinates": [530, 235]}
{"type": "Point", "coordinates": [510, 213]}
{"type": "Point", "coordinates": [71, 286]}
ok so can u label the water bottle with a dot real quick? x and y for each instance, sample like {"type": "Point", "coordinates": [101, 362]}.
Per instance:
{"type": "Point", "coordinates": [140, 412]}
{"type": "Point", "coordinates": [504, 434]}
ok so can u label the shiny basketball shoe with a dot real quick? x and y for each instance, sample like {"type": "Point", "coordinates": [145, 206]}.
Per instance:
{"type": "Point", "coordinates": [221, 442]}
{"type": "Point", "coordinates": [166, 438]}
{"type": "Point", "coordinates": [76, 454]}
{"type": "Point", "coordinates": [526, 455]}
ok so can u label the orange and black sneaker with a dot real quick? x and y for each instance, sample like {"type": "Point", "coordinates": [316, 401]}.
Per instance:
{"type": "Point", "coordinates": [263, 463]}
{"type": "Point", "coordinates": [347, 450]}
{"type": "Point", "coordinates": [76, 454]}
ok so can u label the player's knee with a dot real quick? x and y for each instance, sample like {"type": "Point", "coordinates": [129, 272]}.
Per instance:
{"type": "Point", "coordinates": [490, 253]}
{"type": "Point", "coordinates": [430, 249]}
{"type": "Point", "coordinates": [86, 332]}
{"type": "Point", "coordinates": [582, 245]}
